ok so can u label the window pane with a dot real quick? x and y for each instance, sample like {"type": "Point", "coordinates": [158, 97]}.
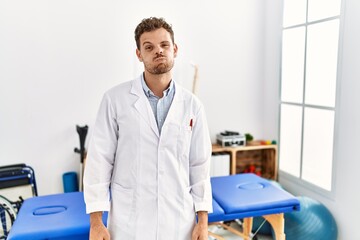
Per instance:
{"type": "Point", "coordinates": [292, 70]}
{"type": "Point", "coordinates": [294, 12]}
{"type": "Point", "coordinates": [320, 9]}
{"type": "Point", "coordinates": [321, 63]}
{"type": "Point", "coordinates": [318, 147]}
{"type": "Point", "coordinates": [290, 137]}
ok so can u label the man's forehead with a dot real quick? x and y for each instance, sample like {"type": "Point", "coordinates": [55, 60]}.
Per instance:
{"type": "Point", "coordinates": [156, 36]}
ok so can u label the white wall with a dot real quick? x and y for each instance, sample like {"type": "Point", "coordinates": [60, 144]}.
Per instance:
{"type": "Point", "coordinates": [58, 57]}
{"type": "Point", "coordinates": [344, 204]}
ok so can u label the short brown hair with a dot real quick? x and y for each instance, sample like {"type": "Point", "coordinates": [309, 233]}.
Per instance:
{"type": "Point", "coordinates": [151, 24]}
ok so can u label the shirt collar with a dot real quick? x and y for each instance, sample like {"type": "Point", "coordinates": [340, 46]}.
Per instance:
{"type": "Point", "coordinates": [149, 93]}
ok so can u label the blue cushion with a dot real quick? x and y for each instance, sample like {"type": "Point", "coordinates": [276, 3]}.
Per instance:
{"type": "Point", "coordinates": [57, 216]}
{"type": "Point", "coordinates": [251, 195]}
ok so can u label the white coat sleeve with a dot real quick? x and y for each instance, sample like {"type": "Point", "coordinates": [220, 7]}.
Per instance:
{"type": "Point", "coordinates": [100, 159]}
{"type": "Point", "coordinates": [200, 155]}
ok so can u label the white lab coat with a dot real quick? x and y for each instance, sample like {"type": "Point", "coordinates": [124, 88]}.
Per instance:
{"type": "Point", "coordinates": [157, 182]}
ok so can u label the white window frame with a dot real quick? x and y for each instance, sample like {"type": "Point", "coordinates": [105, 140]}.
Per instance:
{"type": "Point", "coordinates": [298, 180]}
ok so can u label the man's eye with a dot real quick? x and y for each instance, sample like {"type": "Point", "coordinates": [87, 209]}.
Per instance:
{"type": "Point", "coordinates": [148, 48]}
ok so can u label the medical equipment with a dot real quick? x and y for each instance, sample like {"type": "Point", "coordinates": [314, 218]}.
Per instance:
{"type": "Point", "coordinates": [8, 212]}
{"type": "Point", "coordinates": [16, 181]}
{"type": "Point", "coordinates": [17, 175]}
{"type": "Point", "coordinates": [314, 221]}
{"type": "Point", "coordinates": [230, 138]}
{"type": "Point", "coordinates": [195, 79]}
{"type": "Point", "coordinates": [82, 131]}
{"type": "Point", "coordinates": [56, 216]}
{"type": "Point", "coordinates": [242, 196]}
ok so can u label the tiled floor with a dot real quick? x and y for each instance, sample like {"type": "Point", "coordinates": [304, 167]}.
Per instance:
{"type": "Point", "coordinates": [230, 236]}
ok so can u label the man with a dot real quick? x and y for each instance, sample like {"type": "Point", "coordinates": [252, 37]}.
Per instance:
{"type": "Point", "coordinates": [149, 155]}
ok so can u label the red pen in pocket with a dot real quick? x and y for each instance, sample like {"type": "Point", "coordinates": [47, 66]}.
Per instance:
{"type": "Point", "coordinates": [191, 123]}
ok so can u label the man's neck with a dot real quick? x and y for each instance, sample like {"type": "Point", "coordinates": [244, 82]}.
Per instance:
{"type": "Point", "coordinates": [157, 82]}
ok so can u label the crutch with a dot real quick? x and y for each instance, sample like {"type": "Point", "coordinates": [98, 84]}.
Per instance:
{"type": "Point", "coordinates": [82, 131]}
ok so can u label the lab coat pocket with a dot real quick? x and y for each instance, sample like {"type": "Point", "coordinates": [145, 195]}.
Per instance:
{"type": "Point", "coordinates": [185, 141]}
{"type": "Point", "coordinates": [122, 203]}
{"type": "Point", "coordinates": [188, 203]}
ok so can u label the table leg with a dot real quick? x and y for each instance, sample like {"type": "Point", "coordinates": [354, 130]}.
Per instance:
{"type": "Point", "coordinates": [277, 222]}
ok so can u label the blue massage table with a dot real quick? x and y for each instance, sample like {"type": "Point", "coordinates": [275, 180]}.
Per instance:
{"type": "Point", "coordinates": [52, 217]}
{"type": "Point", "coordinates": [242, 196]}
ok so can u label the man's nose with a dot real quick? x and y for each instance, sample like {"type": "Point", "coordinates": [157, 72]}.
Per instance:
{"type": "Point", "coordinates": [159, 50]}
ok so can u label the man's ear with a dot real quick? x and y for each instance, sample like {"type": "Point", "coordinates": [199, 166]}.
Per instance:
{"type": "Point", "coordinates": [175, 49]}
{"type": "Point", "coordinates": [138, 54]}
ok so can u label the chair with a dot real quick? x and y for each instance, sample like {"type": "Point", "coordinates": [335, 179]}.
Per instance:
{"type": "Point", "coordinates": [15, 181]}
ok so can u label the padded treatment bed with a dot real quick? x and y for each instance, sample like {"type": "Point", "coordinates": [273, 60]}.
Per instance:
{"type": "Point", "coordinates": [244, 196]}
{"type": "Point", "coordinates": [53, 217]}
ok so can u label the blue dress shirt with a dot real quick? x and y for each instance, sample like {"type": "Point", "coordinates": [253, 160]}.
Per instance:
{"type": "Point", "coordinates": [160, 106]}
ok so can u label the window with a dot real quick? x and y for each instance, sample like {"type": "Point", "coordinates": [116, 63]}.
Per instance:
{"type": "Point", "coordinates": [308, 89]}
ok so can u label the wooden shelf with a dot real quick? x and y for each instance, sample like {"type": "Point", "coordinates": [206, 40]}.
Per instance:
{"type": "Point", "coordinates": [263, 158]}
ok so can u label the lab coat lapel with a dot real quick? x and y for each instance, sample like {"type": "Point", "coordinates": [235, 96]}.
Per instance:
{"type": "Point", "coordinates": [142, 105]}
{"type": "Point", "coordinates": [175, 113]}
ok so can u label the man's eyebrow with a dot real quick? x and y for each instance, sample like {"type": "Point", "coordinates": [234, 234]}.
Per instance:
{"type": "Point", "coordinates": [146, 42]}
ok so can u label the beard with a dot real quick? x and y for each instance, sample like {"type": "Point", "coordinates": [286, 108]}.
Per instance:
{"type": "Point", "coordinates": [159, 68]}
